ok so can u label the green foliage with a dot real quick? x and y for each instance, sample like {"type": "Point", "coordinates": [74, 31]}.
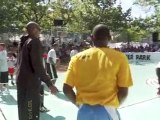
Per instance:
{"type": "Point", "coordinates": [140, 28]}
{"type": "Point", "coordinates": [89, 13]}
{"type": "Point", "coordinates": [154, 20]}
{"type": "Point", "coordinates": [16, 13]}
{"type": "Point", "coordinates": [78, 15]}
{"type": "Point", "coordinates": [7, 14]}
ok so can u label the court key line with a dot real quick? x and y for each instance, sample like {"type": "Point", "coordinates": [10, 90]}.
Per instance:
{"type": "Point", "coordinates": [139, 102]}
{"type": "Point", "coordinates": [152, 82]}
{"type": "Point", "coordinates": [3, 114]}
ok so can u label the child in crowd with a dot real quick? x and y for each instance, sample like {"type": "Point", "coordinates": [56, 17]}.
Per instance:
{"type": "Point", "coordinates": [11, 65]}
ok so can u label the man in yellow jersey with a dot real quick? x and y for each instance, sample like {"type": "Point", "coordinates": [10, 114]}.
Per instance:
{"type": "Point", "coordinates": [101, 77]}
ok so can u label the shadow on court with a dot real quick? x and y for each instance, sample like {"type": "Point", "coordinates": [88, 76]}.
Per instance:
{"type": "Point", "coordinates": [7, 99]}
{"type": "Point", "coordinates": [60, 95]}
{"type": "Point", "coordinates": [45, 116]}
{"type": "Point", "coordinates": [13, 87]}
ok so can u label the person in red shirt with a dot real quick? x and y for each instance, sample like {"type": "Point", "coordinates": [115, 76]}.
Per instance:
{"type": "Point", "coordinates": [11, 65]}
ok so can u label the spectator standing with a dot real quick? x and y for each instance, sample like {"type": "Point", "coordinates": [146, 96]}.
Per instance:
{"type": "Point", "coordinates": [73, 52]}
{"type": "Point", "coordinates": [101, 77]}
{"type": "Point", "coordinates": [3, 68]}
{"type": "Point", "coordinates": [51, 63]}
{"type": "Point", "coordinates": [30, 72]}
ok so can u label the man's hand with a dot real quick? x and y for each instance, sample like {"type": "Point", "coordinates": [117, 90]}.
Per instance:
{"type": "Point", "coordinates": [48, 76]}
{"type": "Point", "coordinates": [53, 89]}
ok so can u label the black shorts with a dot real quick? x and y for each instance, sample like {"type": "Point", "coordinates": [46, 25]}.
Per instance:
{"type": "Point", "coordinates": [4, 77]}
{"type": "Point", "coordinates": [51, 68]}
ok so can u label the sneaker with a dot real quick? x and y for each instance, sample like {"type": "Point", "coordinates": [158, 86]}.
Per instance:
{"type": "Point", "coordinates": [12, 83]}
{"type": "Point", "coordinates": [44, 109]}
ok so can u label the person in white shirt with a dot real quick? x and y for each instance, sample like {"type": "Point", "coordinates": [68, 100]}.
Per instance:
{"type": "Point", "coordinates": [51, 62]}
{"type": "Point", "coordinates": [73, 52]}
{"type": "Point", "coordinates": [3, 67]}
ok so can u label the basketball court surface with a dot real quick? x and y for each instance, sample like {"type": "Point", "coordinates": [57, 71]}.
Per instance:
{"type": "Point", "coordinates": [142, 103]}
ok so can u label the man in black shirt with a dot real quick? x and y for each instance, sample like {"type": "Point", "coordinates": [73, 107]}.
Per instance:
{"type": "Point", "coordinates": [30, 72]}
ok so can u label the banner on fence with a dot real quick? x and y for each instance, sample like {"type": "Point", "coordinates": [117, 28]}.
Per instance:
{"type": "Point", "coordinates": [146, 56]}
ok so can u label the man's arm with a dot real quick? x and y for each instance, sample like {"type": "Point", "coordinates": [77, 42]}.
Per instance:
{"type": "Point", "coordinates": [124, 79]}
{"type": "Point", "coordinates": [122, 94]}
{"type": "Point", "coordinates": [36, 61]}
{"type": "Point", "coordinates": [68, 91]}
{"type": "Point", "coordinates": [69, 81]}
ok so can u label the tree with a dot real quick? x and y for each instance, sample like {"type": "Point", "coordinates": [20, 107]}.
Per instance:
{"type": "Point", "coordinates": [16, 13]}
{"type": "Point", "coordinates": [7, 13]}
{"type": "Point", "coordinates": [140, 28]}
{"type": "Point", "coordinates": [79, 16]}
{"type": "Point", "coordinates": [154, 19]}
{"type": "Point", "coordinates": [88, 13]}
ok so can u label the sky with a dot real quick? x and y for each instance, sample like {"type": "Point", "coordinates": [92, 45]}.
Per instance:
{"type": "Point", "coordinates": [137, 11]}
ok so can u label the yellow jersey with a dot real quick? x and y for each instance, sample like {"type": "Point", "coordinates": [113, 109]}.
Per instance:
{"type": "Point", "coordinates": [96, 74]}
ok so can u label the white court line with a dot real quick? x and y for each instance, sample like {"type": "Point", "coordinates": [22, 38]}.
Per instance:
{"type": "Point", "coordinates": [2, 116]}
{"type": "Point", "coordinates": [140, 102]}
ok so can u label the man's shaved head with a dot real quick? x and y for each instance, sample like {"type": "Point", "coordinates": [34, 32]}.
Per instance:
{"type": "Point", "coordinates": [33, 29]}
{"type": "Point", "coordinates": [101, 32]}
{"type": "Point", "coordinates": [32, 25]}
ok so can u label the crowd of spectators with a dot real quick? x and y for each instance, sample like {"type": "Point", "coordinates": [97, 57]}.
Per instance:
{"type": "Point", "coordinates": [148, 48]}
{"type": "Point", "coordinates": [65, 48]}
